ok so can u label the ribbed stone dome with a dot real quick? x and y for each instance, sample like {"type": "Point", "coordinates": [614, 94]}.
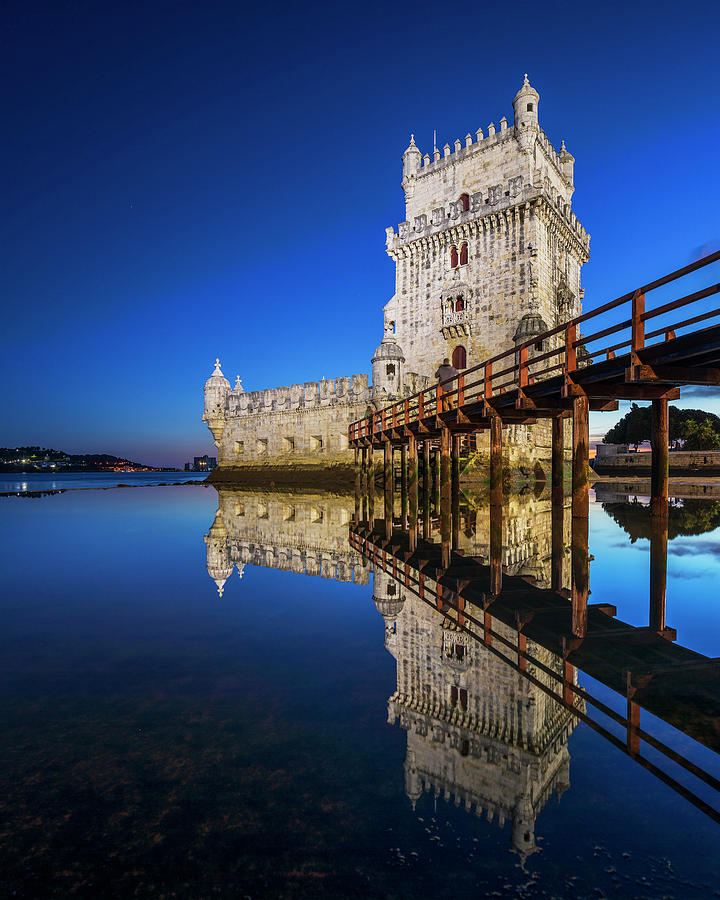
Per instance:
{"type": "Point", "coordinates": [531, 325]}
{"type": "Point", "coordinates": [389, 607]}
{"type": "Point", "coordinates": [217, 379]}
{"type": "Point", "coordinates": [388, 350]}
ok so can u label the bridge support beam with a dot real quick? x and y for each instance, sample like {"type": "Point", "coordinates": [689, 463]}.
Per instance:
{"type": "Point", "coordinates": [445, 495]}
{"type": "Point", "coordinates": [413, 490]}
{"type": "Point", "coordinates": [426, 490]}
{"type": "Point", "coordinates": [558, 503]}
{"type": "Point", "coordinates": [403, 486]}
{"type": "Point", "coordinates": [455, 512]}
{"type": "Point", "coordinates": [358, 483]}
{"type": "Point", "coordinates": [388, 484]}
{"type": "Point", "coordinates": [659, 477]}
{"type": "Point", "coordinates": [370, 476]}
{"type": "Point", "coordinates": [495, 505]}
{"type": "Point", "coordinates": [580, 512]}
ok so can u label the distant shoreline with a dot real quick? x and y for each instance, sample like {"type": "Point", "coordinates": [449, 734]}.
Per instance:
{"type": "Point", "coordinates": [100, 487]}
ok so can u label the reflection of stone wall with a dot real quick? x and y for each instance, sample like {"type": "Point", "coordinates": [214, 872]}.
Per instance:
{"type": "Point", "coordinates": [301, 533]}
{"type": "Point", "coordinates": [478, 731]}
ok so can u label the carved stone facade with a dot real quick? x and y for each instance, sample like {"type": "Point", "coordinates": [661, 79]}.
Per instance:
{"type": "Point", "coordinates": [304, 533]}
{"type": "Point", "coordinates": [489, 255]}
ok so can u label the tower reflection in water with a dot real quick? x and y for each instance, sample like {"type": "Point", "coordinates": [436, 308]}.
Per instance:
{"type": "Point", "coordinates": [487, 686]}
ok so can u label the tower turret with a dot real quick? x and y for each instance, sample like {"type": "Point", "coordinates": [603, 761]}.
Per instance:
{"type": "Point", "coordinates": [525, 106]}
{"type": "Point", "coordinates": [412, 159]}
{"type": "Point", "coordinates": [217, 390]}
{"type": "Point", "coordinates": [567, 164]}
{"type": "Point", "coordinates": [388, 600]}
{"type": "Point", "coordinates": [387, 367]}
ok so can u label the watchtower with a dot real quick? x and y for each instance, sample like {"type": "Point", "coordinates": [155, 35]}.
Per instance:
{"type": "Point", "coordinates": [489, 248]}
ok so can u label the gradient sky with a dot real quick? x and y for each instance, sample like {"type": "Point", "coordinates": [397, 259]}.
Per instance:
{"type": "Point", "coordinates": [192, 180]}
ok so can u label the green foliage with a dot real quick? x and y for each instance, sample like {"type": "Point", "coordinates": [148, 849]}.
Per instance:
{"type": "Point", "coordinates": [636, 427]}
{"type": "Point", "coordinates": [685, 517]}
{"type": "Point", "coordinates": [700, 436]}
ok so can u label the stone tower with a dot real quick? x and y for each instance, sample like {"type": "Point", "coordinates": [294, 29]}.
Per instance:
{"type": "Point", "coordinates": [490, 249]}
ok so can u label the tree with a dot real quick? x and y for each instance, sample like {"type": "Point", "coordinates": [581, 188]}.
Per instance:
{"type": "Point", "coordinates": [700, 435]}
{"type": "Point", "coordinates": [636, 426]}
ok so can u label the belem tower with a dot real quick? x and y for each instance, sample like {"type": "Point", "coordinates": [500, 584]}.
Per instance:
{"type": "Point", "coordinates": [488, 256]}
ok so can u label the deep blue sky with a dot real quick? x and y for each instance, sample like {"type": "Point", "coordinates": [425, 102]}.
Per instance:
{"type": "Point", "coordinates": [192, 180]}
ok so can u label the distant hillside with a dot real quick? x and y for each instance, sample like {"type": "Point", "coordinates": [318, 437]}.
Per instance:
{"type": "Point", "coordinates": [43, 459]}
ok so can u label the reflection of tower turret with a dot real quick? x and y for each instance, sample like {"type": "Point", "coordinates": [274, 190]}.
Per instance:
{"type": "Point", "coordinates": [477, 729]}
{"type": "Point", "coordinates": [219, 564]}
{"type": "Point", "coordinates": [388, 599]}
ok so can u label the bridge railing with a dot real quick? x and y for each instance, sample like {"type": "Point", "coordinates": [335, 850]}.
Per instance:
{"type": "Point", "coordinates": [559, 351]}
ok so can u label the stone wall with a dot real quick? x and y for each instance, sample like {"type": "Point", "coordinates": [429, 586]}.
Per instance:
{"type": "Point", "coordinates": [682, 462]}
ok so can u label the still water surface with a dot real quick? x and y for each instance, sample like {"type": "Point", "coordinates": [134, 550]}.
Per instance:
{"type": "Point", "coordinates": [190, 709]}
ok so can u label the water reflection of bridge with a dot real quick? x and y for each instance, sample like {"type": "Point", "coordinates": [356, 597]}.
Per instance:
{"type": "Point", "coordinates": [519, 616]}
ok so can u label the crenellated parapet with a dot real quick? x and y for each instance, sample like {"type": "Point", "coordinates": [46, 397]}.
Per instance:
{"type": "Point", "coordinates": [310, 395]}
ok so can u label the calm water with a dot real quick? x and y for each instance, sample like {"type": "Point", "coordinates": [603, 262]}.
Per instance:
{"type": "Point", "coordinates": [196, 693]}
{"type": "Point", "coordinates": [67, 481]}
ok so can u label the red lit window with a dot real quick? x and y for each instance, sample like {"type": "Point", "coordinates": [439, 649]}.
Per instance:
{"type": "Point", "coordinates": [453, 257]}
{"type": "Point", "coordinates": [453, 696]}
{"type": "Point", "coordinates": [459, 358]}
{"type": "Point", "coordinates": [465, 200]}
{"type": "Point", "coordinates": [459, 304]}
{"type": "Point", "coordinates": [463, 254]}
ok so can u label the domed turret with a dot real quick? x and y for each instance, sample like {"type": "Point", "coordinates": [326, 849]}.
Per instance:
{"type": "Point", "coordinates": [388, 600]}
{"type": "Point", "coordinates": [217, 389]}
{"type": "Point", "coordinates": [525, 106]}
{"type": "Point", "coordinates": [413, 780]}
{"type": "Point", "coordinates": [219, 565]}
{"type": "Point", "coordinates": [567, 164]}
{"type": "Point", "coordinates": [411, 160]}
{"type": "Point", "coordinates": [531, 325]}
{"type": "Point", "coordinates": [523, 827]}
{"type": "Point", "coordinates": [387, 366]}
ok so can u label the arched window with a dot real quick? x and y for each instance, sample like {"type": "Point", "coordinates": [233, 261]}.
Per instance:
{"type": "Point", "coordinates": [465, 201]}
{"type": "Point", "coordinates": [463, 254]}
{"type": "Point", "coordinates": [453, 258]}
{"type": "Point", "coordinates": [459, 358]}
{"type": "Point", "coordinates": [459, 304]}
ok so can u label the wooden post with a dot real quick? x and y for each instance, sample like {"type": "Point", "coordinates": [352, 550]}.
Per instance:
{"type": "Point", "coordinates": [658, 567]}
{"type": "Point", "coordinates": [403, 486]}
{"type": "Point", "coordinates": [581, 462]}
{"type": "Point", "coordinates": [445, 495]}
{"type": "Point", "coordinates": [659, 464]}
{"type": "Point", "coordinates": [436, 480]}
{"type": "Point", "coordinates": [358, 484]}
{"type": "Point", "coordinates": [455, 511]}
{"type": "Point", "coordinates": [388, 483]}
{"type": "Point", "coordinates": [426, 490]}
{"type": "Point", "coordinates": [371, 486]}
{"type": "Point", "coordinates": [495, 505]}
{"type": "Point", "coordinates": [580, 575]}
{"type": "Point", "coordinates": [558, 504]}
{"type": "Point", "coordinates": [413, 490]}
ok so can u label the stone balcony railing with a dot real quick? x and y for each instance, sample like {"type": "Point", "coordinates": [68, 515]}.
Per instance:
{"type": "Point", "coordinates": [454, 318]}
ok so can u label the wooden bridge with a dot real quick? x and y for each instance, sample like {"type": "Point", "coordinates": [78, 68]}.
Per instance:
{"type": "Point", "coordinates": [636, 352]}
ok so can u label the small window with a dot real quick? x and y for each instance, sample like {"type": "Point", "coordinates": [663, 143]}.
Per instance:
{"type": "Point", "coordinates": [288, 513]}
{"type": "Point", "coordinates": [391, 590]}
{"type": "Point", "coordinates": [239, 509]}
{"type": "Point", "coordinates": [459, 304]}
{"type": "Point", "coordinates": [453, 258]}
{"type": "Point", "coordinates": [463, 254]}
{"type": "Point", "coordinates": [390, 369]}
{"type": "Point", "coordinates": [463, 698]}
{"type": "Point", "coordinates": [316, 515]}
{"type": "Point", "coordinates": [539, 346]}
{"type": "Point", "coordinates": [288, 444]}
{"type": "Point", "coordinates": [459, 358]}
{"type": "Point", "coordinates": [316, 442]}
{"type": "Point", "coordinates": [459, 651]}
{"type": "Point", "coordinates": [239, 447]}
{"type": "Point", "coordinates": [262, 511]}
{"type": "Point", "coordinates": [453, 696]}
{"type": "Point", "coordinates": [464, 202]}
{"type": "Point", "coordinates": [529, 107]}
{"type": "Point", "coordinates": [262, 446]}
